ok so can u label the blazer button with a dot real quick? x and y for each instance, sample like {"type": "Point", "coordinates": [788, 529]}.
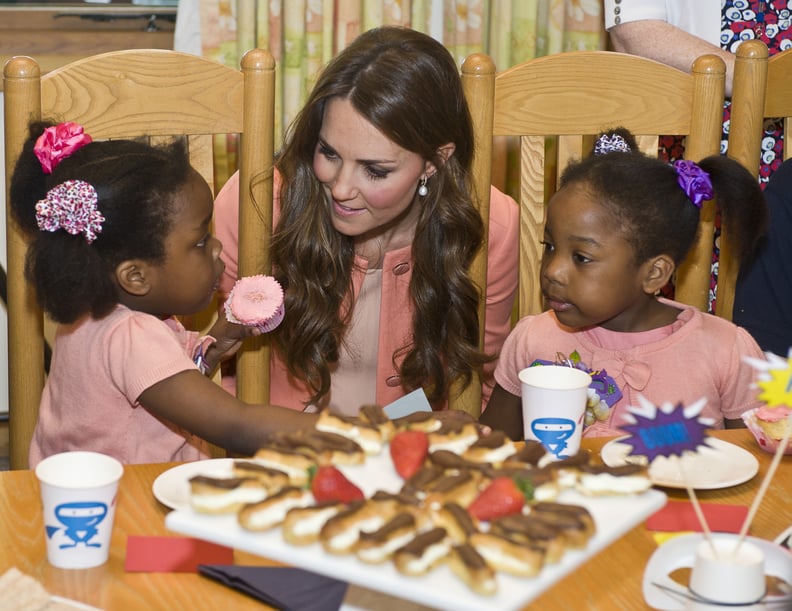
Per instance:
{"type": "Point", "coordinates": [393, 381]}
{"type": "Point", "coordinates": [401, 268]}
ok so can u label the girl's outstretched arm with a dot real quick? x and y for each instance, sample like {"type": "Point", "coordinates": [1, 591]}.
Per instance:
{"type": "Point", "coordinates": [504, 413]}
{"type": "Point", "coordinates": [198, 405]}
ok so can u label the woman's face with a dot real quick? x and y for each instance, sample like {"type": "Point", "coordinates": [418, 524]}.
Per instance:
{"type": "Point", "coordinates": [369, 180]}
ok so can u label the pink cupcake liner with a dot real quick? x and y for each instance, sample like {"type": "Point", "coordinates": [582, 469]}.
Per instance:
{"type": "Point", "coordinates": [256, 301]}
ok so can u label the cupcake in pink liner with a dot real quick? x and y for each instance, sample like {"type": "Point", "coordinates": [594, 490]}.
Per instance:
{"type": "Point", "coordinates": [768, 425]}
{"type": "Point", "coordinates": [256, 301]}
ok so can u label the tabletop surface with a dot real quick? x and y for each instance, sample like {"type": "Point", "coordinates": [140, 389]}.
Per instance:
{"type": "Point", "coordinates": [611, 580]}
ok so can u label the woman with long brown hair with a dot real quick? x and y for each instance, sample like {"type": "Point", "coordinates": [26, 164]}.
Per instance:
{"type": "Point", "coordinates": [376, 229]}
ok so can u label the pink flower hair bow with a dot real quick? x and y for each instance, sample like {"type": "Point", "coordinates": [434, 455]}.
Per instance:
{"type": "Point", "coordinates": [59, 142]}
{"type": "Point", "coordinates": [73, 207]}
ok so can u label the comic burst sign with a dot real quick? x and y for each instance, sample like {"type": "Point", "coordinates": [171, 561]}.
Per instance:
{"type": "Point", "coordinates": [667, 430]}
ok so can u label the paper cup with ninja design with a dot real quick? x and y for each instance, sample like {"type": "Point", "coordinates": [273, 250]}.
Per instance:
{"type": "Point", "coordinates": [554, 407]}
{"type": "Point", "coordinates": [78, 495]}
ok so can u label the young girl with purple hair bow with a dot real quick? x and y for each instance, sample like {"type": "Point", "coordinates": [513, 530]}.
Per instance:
{"type": "Point", "coordinates": [616, 231]}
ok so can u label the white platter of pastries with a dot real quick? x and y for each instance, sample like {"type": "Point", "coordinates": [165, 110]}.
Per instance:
{"type": "Point", "coordinates": [414, 538]}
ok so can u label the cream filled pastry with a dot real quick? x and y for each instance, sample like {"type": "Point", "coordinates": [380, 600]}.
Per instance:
{"type": "Point", "coordinates": [224, 495]}
{"type": "Point", "coordinates": [503, 554]}
{"type": "Point", "coordinates": [368, 436]}
{"type": "Point", "coordinates": [379, 545]}
{"type": "Point", "coordinates": [423, 553]}
{"type": "Point", "coordinates": [470, 567]}
{"type": "Point", "coordinates": [271, 511]}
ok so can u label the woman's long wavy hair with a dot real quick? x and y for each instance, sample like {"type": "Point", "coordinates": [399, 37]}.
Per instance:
{"type": "Point", "coordinates": [407, 85]}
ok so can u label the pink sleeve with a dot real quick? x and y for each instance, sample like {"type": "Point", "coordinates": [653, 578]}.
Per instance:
{"type": "Point", "coordinates": [226, 219]}
{"type": "Point", "coordinates": [502, 274]}
{"type": "Point", "coordinates": [739, 395]}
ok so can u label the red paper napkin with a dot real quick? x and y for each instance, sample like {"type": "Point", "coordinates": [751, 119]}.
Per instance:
{"type": "Point", "coordinates": [173, 554]}
{"type": "Point", "coordinates": [680, 516]}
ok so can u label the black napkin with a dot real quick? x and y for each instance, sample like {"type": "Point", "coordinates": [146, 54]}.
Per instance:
{"type": "Point", "coordinates": [285, 588]}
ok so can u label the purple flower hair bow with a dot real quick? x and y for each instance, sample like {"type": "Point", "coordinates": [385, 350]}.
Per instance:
{"type": "Point", "coordinates": [73, 207]}
{"type": "Point", "coordinates": [59, 142]}
{"type": "Point", "coordinates": [694, 181]}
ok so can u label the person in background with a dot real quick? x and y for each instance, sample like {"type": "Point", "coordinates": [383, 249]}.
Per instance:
{"type": "Point", "coordinates": [616, 230]}
{"type": "Point", "coordinates": [763, 299]}
{"type": "Point", "coordinates": [376, 227]}
{"type": "Point", "coordinates": [676, 32]}
{"type": "Point", "coordinates": [119, 244]}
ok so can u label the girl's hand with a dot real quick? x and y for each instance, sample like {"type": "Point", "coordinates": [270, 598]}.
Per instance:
{"type": "Point", "coordinates": [228, 338]}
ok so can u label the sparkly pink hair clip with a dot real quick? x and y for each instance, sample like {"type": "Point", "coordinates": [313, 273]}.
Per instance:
{"type": "Point", "coordinates": [73, 207]}
{"type": "Point", "coordinates": [59, 142]}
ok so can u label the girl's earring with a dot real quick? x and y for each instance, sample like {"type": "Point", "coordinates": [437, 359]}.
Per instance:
{"type": "Point", "coordinates": [422, 188]}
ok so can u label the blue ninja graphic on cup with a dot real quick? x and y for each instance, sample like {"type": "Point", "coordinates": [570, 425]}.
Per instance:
{"type": "Point", "coordinates": [553, 433]}
{"type": "Point", "coordinates": [79, 520]}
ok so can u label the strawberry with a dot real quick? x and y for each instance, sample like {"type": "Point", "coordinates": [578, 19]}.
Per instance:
{"type": "Point", "coordinates": [502, 497]}
{"type": "Point", "coordinates": [330, 484]}
{"type": "Point", "coordinates": [408, 450]}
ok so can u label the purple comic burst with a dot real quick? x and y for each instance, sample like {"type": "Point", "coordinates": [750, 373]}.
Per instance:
{"type": "Point", "coordinates": [665, 433]}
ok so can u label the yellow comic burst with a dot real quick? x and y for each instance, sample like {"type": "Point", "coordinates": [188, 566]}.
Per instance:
{"type": "Point", "coordinates": [777, 390]}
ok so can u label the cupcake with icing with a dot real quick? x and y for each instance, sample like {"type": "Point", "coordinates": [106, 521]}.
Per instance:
{"type": "Point", "coordinates": [770, 422]}
{"type": "Point", "coordinates": [256, 301]}
{"type": "Point", "coordinates": [774, 421]}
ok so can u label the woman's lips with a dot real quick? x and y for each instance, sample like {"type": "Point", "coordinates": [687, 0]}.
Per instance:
{"type": "Point", "coordinates": [342, 210]}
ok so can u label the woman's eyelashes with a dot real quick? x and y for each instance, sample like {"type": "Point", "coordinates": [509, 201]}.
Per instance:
{"type": "Point", "coordinates": [373, 172]}
{"type": "Point", "coordinates": [376, 173]}
{"type": "Point", "coordinates": [326, 152]}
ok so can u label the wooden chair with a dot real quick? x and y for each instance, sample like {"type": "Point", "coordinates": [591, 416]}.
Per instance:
{"type": "Point", "coordinates": [762, 89]}
{"type": "Point", "coordinates": [159, 94]}
{"type": "Point", "coordinates": [570, 97]}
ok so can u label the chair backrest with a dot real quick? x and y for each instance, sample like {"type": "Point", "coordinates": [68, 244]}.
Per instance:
{"type": "Point", "coordinates": [158, 94]}
{"type": "Point", "coordinates": [762, 90]}
{"type": "Point", "coordinates": [565, 100]}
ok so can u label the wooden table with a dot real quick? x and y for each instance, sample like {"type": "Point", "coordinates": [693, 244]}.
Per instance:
{"type": "Point", "coordinates": [611, 580]}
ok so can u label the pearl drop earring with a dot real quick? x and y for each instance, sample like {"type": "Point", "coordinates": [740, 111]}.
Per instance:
{"type": "Point", "coordinates": [422, 188]}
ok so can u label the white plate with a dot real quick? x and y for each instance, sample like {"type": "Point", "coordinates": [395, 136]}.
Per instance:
{"type": "Point", "coordinates": [680, 552]}
{"type": "Point", "coordinates": [718, 465]}
{"type": "Point", "coordinates": [172, 487]}
{"type": "Point", "coordinates": [440, 588]}
{"type": "Point", "coordinates": [67, 603]}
